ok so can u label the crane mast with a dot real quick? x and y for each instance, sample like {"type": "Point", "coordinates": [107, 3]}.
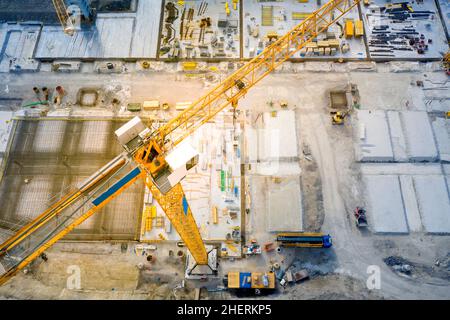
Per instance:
{"type": "Point", "coordinates": [63, 16]}
{"type": "Point", "coordinates": [149, 157]}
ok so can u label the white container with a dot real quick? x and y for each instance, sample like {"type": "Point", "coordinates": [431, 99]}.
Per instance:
{"type": "Point", "coordinates": [130, 130]}
{"type": "Point", "coordinates": [183, 105]}
{"type": "Point", "coordinates": [151, 105]}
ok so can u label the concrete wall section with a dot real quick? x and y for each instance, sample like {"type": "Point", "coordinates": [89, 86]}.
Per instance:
{"type": "Point", "coordinates": [114, 35]}
{"type": "Point", "coordinates": [434, 204]}
{"type": "Point", "coordinates": [386, 212]}
{"type": "Point", "coordinates": [374, 143]}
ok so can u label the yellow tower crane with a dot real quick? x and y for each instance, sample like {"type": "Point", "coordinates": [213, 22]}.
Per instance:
{"type": "Point", "coordinates": [150, 153]}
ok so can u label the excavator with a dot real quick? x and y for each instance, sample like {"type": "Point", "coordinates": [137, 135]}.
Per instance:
{"type": "Point", "coordinates": [338, 117]}
{"type": "Point", "coordinates": [161, 159]}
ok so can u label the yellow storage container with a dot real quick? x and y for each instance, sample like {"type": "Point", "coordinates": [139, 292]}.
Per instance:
{"type": "Point", "coordinates": [189, 66]}
{"type": "Point", "coordinates": [233, 280]}
{"type": "Point", "coordinates": [349, 29]}
{"type": "Point", "coordinates": [359, 28]}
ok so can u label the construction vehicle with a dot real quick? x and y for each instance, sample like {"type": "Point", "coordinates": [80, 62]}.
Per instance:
{"type": "Point", "coordinates": [250, 281]}
{"type": "Point", "coordinates": [304, 240]}
{"type": "Point", "coordinates": [338, 117]}
{"type": "Point", "coordinates": [161, 160]}
{"type": "Point", "coordinates": [360, 217]}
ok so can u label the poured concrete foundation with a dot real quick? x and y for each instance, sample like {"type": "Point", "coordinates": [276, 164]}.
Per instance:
{"type": "Point", "coordinates": [386, 211]}
{"type": "Point", "coordinates": [374, 144]}
{"type": "Point", "coordinates": [434, 204]}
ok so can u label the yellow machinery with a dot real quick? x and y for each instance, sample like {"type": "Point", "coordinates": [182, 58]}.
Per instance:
{"type": "Point", "coordinates": [235, 4]}
{"type": "Point", "coordinates": [272, 36]}
{"type": "Point", "coordinates": [148, 161]}
{"type": "Point", "coordinates": [338, 118]}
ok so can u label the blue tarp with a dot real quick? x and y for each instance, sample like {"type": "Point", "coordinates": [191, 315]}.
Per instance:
{"type": "Point", "coordinates": [117, 186]}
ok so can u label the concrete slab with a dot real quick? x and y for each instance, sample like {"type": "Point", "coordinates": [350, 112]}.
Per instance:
{"type": "Point", "coordinates": [374, 143]}
{"type": "Point", "coordinates": [276, 168]}
{"type": "Point", "coordinates": [434, 204]}
{"type": "Point", "coordinates": [441, 128]}
{"type": "Point", "coordinates": [279, 140]}
{"type": "Point", "coordinates": [111, 38]}
{"type": "Point", "coordinates": [115, 35]}
{"type": "Point", "coordinates": [17, 47]}
{"type": "Point", "coordinates": [397, 137]}
{"type": "Point", "coordinates": [410, 202]}
{"type": "Point", "coordinates": [386, 210]}
{"type": "Point", "coordinates": [419, 136]}
{"type": "Point", "coordinates": [281, 217]}
{"type": "Point", "coordinates": [402, 168]}
{"type": "Point", "coordinates": [446, 168]}
{"type": "Point", "coordinates": [146, 30]}
{"type": "Point", "coordinates": [5, 130]}
{"type": "Point", "coordinates": [273, 149]}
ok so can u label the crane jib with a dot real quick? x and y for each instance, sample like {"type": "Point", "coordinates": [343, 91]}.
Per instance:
{"type": "Point", "coordinates": [116, 187]}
